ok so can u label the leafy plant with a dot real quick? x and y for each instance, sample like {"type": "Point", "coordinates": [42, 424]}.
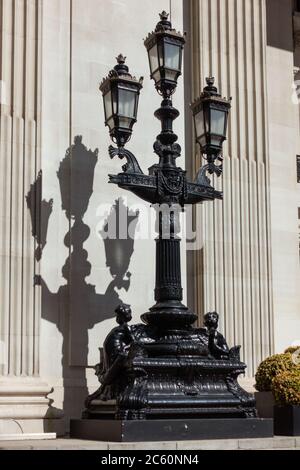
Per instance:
{"type": "Point", "coordinates": [270, 368]}
{"type": "Point", "coordinates": [292, 349]}
{"type": "Point", "coordinates": [286, 387]}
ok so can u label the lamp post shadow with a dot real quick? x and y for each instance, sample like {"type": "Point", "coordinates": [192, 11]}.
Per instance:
{"type": "Point", "coordinates": [77, 307]}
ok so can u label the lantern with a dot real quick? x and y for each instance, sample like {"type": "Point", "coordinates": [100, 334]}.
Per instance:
{"type": "Point", "coordinates": [210, 113]}
{"type": "Point", "coordinates": [165, 47]}
{"type": "Point", "coordinates": [120, 98]}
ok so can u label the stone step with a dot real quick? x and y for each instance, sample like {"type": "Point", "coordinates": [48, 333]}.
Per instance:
{"type": "Point", "coordinates": [274, 443]}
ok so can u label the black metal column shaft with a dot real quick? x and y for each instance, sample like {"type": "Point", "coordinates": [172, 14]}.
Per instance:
{"type": "Point", "coordinates": [168, 278]}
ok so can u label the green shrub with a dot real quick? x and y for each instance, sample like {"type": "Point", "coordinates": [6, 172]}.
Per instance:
{"type": "Point", "coordinates": [286, 387]}
{"type": "Point", "coordinates": [270, 368]}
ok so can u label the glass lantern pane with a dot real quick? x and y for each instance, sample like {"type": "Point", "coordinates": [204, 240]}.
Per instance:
{"type": "Point", "coordinates": [125, 122]}
{"type": "Point", "coordinates": [203, 141]}
{"type": "Point", "coordinates": [107, 105]}
{"type": "Point", "coordinates": [111, 123]}
{"type": "Point", "coordinates": [126, 102]}
{"type": "Point", "coordinates": [114, 94]}
{"type": "Point", "coordinates": [217, 122]}
{"type": "Point", "coordinates": [153, 58]}
{"type": "Point", "coordinates": [216, 141]}
{"type": "Point", "coordinates": [160, 50]}
{"type": "Point", "coordinates": [199, 123]}
{"type": "Point", "coordinates": [171, 74]}
{"type": "Point", "coordinates": [172, 56]}
{"type": "Point", "coordinates": [156, 76]}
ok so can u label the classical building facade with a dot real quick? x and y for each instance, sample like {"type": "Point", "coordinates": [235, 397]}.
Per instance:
{"type": "Point", "coordinates": [60, 278]}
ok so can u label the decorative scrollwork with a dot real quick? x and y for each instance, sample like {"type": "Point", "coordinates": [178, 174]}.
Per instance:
{"type": "Point", "coordinates": [131, 166]}
{"type": "Point", "coordinates": [247, 401]}
{"type": "Point", "coordinates": [211, 168]}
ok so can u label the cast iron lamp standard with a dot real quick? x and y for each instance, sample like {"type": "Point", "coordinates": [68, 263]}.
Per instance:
{"type": "Point", "coordinates": [164, 370]}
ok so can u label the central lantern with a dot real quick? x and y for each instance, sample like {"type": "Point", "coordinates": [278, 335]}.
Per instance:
{"type": "Point", "coordinates": [165, 47]}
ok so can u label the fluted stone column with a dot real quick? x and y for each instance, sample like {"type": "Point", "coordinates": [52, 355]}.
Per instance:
{"type": "Point", "coordinates": [23, 395]}
{"type": "Point", "coordinates": [233, 270]}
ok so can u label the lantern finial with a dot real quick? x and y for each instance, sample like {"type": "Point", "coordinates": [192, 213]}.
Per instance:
{"type": "Point", "coordinates": [121, 59]}
{"type": "Point", "coordinates": [121, 68]}
{"type": "Point", "coordinates": [164, 24]}
{"type": "Point", "coordinates": [211, 88]}
{"type": "Point", "coordinates": [164, 15]}
{"type": "Point", "coordinates": [210, 80]}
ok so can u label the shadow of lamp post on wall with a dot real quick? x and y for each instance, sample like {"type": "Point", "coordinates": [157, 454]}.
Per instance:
{"type": "Point", "coordinates": [164, 376]}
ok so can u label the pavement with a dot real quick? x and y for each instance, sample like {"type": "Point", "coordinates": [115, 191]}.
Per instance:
{"type": "Point", "coordinates": [274, 443]}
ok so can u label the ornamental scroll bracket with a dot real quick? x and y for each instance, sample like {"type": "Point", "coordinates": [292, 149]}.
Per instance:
{"type": "Point", "coordinates": [210, 168]}
{"type": "Point", "coordinates": [131, 166]}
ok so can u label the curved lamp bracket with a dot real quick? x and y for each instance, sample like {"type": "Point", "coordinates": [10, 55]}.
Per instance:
{"type": "Point", "coordinates": [131, 166]}
{"type": "Point", "coordinates": [210, 168]}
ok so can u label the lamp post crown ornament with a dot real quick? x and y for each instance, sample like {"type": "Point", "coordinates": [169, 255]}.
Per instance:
{"type": "Point", "coordinates": [121, 68]}
{"type": "Point", "coordinates": [164, 23]}
{"type": "Point", "coordinates": [211, 88]}
{"type": "Point", "coordinates": [165, 366]}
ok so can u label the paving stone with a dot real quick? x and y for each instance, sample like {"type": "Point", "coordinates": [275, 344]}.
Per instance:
{"type": "Point", "coordinates": [101, 446]}
{"type": "Point", "coordinates": [277, 442]}
{"type": "Point", "coordinates": [252, 444]}
{"type": "Point", "coordinates": [282, 442]}
{"type": "Point", "coordinates": [142, 445]}
{"type": "Point", "coordinates": [221, 444]}
{"type": "Point", "coordinates": [37, 447]}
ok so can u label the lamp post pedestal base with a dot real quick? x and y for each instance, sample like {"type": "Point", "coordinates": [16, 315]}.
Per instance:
{"type": "Point", "coordinates": [168, 374]}
{"type": "Point", "coordinates": [170, 429]}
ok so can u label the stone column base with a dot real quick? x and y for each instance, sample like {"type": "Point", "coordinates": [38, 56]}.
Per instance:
{"type": "Point", "coordinates": [25, 409]}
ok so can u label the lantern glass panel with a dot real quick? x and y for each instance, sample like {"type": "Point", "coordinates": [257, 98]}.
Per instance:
{"type": "Point", "coordinates": [153, 58]}
{"type": "Point", "coordinates": [111, 123]}
{"type": "Point", "coordinates": [114, 95]}
{"type": "Point", "coordinates": [199, 123]}
{"type": "Point", "coordinates": [217, 122]}
{"type": "Point", "coordinates": [107, 105]}
{"type": "Point", "coordinates": [216, 141]}
{"type": "Point", "coordinates": [156, 76]}
{"type": "Point", "coordinates": [125, 122]}
{"type": "Point", "coordinates": [172, 56]}
{"type": "Point", "coordinates": [202, 141]}
{"type": "Point", "coordinates": [160, 50]}
{"type": "Point", "coordinates": [126, 102]}
{"type": "Point", "coordinates": [171, 74]}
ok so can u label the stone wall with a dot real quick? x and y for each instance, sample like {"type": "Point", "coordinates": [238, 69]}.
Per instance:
{"type": "Point", "coordinates": [60, 280]}
{"type": "Point", "coordinates": [233, 268]}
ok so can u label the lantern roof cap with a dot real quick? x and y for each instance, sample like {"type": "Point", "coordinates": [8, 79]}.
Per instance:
{"type": "Point", "coordinates": [164, 28]}
{"type": "Point", "coordinates": [210, 93]}
{"type": "Point", "coordinates": [120, 72]}
{"type": "Point", "coordinates": [164, 23]}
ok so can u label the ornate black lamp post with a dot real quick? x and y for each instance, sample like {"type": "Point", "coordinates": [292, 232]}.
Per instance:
{"type": "Point", "coordinates": [165, 369]}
